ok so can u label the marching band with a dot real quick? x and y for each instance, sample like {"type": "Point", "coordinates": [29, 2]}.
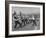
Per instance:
{"type": "Point", "coordinates": [23, 20]}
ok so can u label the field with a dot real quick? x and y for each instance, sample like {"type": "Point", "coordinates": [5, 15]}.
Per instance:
{"type": "Point", "coordinates": [28, 27]}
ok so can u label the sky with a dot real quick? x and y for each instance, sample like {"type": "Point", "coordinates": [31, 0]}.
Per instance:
{"type": "Point", "coordinates": [26, 10]}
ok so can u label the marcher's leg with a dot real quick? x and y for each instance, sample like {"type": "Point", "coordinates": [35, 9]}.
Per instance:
{"type": "Point", "coordinates": [19, 24]}
{"type": "Point", "coordinates": [35, 23]}
{"type": "Point", "coordinates": [15, 24]}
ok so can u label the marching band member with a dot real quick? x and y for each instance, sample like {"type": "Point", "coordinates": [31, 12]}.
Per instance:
{"type": "Point", "coordinates": [16, 19]}
{"type": "Point", "coordinates": [34, 20]}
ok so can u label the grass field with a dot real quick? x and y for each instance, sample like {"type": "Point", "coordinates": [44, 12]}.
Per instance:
{"type": "Point", "coordinates": [27, 27]}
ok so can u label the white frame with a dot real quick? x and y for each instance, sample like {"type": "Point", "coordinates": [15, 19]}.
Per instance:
{"type": "Point", "coordinates": [25, 32]}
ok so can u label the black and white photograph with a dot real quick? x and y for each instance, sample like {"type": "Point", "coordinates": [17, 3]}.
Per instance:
{"type": "Point", "coordinates": [25, 19]}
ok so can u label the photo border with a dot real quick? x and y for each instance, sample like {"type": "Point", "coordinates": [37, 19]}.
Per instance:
{"type": "Point", "coordinates": [7, 18]}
